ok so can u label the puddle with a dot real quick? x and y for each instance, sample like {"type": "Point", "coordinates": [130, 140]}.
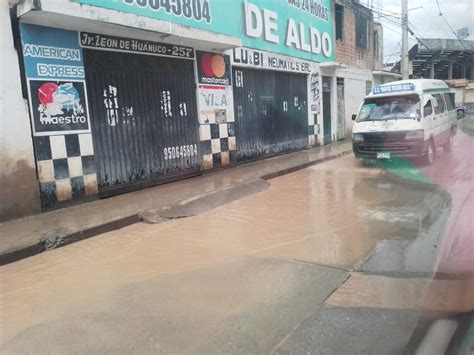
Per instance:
{"type": "Point", "coordinates": [316, 215]}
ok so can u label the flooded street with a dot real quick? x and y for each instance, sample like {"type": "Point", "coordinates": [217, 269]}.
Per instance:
{"type": "Point", "coordinates": [335, 250]}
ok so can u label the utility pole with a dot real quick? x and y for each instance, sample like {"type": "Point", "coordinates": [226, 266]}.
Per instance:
{"type": "Point", "coordinates": [405, 60]}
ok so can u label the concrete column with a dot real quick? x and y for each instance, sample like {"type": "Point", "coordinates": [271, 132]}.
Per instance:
{"type": "Point", "coordinates": [450, 70]}
{"type": "Point", "coordinates": [472, 73]}
{"type": "Point", "coordinates": [432, 71]}
{"type": "Point", "coordinates": [464, 71]}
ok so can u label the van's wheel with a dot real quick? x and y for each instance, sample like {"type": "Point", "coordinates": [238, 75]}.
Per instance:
{"type": "Point", "coordinates": [448, 146]}
{"type": "Point", "coordinates": [430, 154]}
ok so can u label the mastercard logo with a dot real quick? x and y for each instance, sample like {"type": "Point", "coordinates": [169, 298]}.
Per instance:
{"type": "Point", "coordinates": [213, 65]}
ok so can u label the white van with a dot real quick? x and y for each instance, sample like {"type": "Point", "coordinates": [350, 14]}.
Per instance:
{"type": "Point", "coordinates": [409, 118]}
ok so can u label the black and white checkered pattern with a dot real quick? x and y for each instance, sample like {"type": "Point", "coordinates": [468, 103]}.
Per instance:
{"type": "Point", "coordinates": [217, 143]}
{"type": "Point", "coordinates": [66, 169]}
{"type": "Point", "coordinates": [313, 131]}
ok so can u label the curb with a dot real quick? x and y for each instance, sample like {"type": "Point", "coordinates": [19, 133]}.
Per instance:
{"type": "Point", "coordinates": [54, 243]}
{"type": "Point", "coordinates": [57, 242]}
{"type": "Point", "coordinates": [304, 166]}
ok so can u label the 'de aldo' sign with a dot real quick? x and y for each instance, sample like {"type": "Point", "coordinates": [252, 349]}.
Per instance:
{"type": "Point", "coordinates": [56, 80]}
{"type": "Point", "coordinates": [297, 31]}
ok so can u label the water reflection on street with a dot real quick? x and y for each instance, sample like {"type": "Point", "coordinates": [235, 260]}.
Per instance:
{"type": "Point", "coordinates": [332, 215]}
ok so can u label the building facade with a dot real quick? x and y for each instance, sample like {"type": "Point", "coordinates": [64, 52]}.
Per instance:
{"type": "Point", "coordinates": [111, 96]}
{"type": "Point", "coordinates": [451, 60]}
{"type": "Point", "coordinates": [359, 60]}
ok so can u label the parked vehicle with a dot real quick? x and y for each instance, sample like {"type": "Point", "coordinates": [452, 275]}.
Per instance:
{"type": "Point", "coordinates": [461, 111]}
{"type": "Point", "coordinates": [410, 118]}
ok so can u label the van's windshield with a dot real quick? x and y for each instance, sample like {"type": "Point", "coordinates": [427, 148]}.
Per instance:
{"type": "Point", "coordinates": [388, 108]}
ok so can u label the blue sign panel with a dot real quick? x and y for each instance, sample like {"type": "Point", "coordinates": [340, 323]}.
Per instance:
{"type": "Point", "coordinates": [56, 80]}
{"type": "Point", "coordinates": [51, 53]}
{"type": "Point", "coordinates": [386, 89]}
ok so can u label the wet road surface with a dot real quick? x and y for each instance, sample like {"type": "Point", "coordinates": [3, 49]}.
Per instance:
{"type": "Point", "coordinates": [334, 258]}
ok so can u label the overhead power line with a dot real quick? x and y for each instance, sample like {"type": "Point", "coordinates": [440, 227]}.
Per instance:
{"type": "Point", "coordinates": [394, 31]}
{"type": "Point", "coordinates": [394, 52]}
{"type": "Point", "coordinates": [416, 29]}
{"type": "Point", "coordinates": [385, 14]}
{"type": "Point", "coordinates": [447, 23]}
{"type": "Point", "coordinates": [418, 39]}
{"type": "Point", "coordinates": [391, 22]}
{"type": "Point", "coordinates": [382, 12]}
{"type": "Point", "coordinates": [416, 36]}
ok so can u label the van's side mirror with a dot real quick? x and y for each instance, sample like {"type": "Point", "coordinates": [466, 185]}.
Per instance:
{"type": "Point", "coordinates": [354, 116]}
{"type": "Point", "coordinates": [427, 111]}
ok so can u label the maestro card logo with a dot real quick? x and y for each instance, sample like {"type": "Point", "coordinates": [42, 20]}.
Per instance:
{"type": "Point", "coordinates": [213, 69]}
{"type": "Point", "coordinates": [55, 99]}
{"type": "Point", "coordinates": [58, 106]}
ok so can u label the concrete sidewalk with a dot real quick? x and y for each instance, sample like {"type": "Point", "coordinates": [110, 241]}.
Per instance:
{"type": "Point", "coordinates": [35, 234]}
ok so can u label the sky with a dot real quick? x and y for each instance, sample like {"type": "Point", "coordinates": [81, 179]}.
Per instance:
{"type": "Point", "coordinates": [425, 21]}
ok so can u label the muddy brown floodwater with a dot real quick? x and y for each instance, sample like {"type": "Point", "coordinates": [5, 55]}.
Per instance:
{"type": "Point", "coordinates": [331, 214]}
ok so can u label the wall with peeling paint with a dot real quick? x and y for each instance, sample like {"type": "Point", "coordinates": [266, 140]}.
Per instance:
{"type": "Point", "coordinates": [18, 184]}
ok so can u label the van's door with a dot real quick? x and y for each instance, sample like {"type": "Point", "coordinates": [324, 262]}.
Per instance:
{"type": "Point", "coordinates": [428, 119]}
{"type": "Point", "coordinates": [451, 108]}
{"type": "Point", "coordinates": [441, 129]}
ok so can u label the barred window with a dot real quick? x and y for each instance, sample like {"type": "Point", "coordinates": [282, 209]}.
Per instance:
{"type": "Point", "coordinates": [361, 31]}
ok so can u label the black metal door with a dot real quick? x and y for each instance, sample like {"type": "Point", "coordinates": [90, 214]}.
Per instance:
{"type": "Point", "coordinates": [143, 118]}
{"type": "Point", "coordinates": [271, 112]}
{"type": "Point", "coordinates": [327, 109]}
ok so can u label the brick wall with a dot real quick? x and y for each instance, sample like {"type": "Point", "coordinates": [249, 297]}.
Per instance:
{"type": "Point", "coordinates": [347, 51]}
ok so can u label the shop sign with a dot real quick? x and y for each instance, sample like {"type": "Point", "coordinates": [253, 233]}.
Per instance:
{"type": "Point", "coordinates": [58, 106]}
{"type": "Point", "coordinates": [56, 80]}
{"type": "Point", "coordinates": [264, 60]}
{"type": "Point", "coordinates": [213, 69]}
{"type": "Point", "coordinates": [298, 28]}
{"type": "Point", "coordinates": [394, 88]}
{"type": "Point", "coordinates": [216, 104]}
{"type": "Point", "coordinates": [119, 44]}
{"type": "Point", "coordinates": [203, 14]}
{"type": "Point", "coordinates": [51, 53]}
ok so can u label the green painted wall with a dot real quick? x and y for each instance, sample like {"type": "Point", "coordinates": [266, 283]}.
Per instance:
{"type": "Point", "coordinates": [297, 28]}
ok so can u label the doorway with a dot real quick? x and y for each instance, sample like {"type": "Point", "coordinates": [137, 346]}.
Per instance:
{"type": "Point", "coordinates": [143, 119]}
{"type": "Point", "coordinates": [327, 109]}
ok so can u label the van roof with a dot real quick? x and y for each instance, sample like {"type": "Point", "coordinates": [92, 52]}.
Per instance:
{"type": "Point", "coordinates": [404, 87]}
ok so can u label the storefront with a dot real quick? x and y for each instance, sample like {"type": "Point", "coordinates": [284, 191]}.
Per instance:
{"type": "Point", "coordinates": [116, 108]}
{"type": "Point", "coordinates": [143, 111]}
{"type": "Point", "coordinates": [109, 114]}
{"type": "Point", "coordinates": [275, 112]}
